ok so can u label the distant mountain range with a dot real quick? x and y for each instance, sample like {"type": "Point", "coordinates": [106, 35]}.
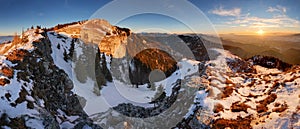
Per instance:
{"type": "Point", "coordinates": [283, 47]}
{"type": "Point", "coordinates": [5, 39]}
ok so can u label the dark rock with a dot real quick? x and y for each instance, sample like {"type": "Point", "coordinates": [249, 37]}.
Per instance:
{"type": "Point", "coordinates": [269, 62]}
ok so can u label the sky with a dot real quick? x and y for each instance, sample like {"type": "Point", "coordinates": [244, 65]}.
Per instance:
{"type": "Point", "coordinates": [222, 16]}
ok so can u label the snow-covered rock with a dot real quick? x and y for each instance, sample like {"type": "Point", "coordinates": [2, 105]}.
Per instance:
{"type": "Point", "coordinates": [266, 98]}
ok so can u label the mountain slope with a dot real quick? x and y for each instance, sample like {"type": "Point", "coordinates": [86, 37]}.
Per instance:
{"type": "Point", "coordinates": [264, 98]}
{"type": "Point", "coordinates": [78, 75]}
{"type": "Point", "coordinates": [32, 96]}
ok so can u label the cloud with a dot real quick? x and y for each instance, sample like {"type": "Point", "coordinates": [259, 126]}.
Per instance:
{"type": "Point", "coordinates": [259, 22]}
{"type": "Point", "coordinates": [278, 8]}
{"type": "Point", "coordinates": [235, 12]}
{"type": "Point", "coordinates": [277, 20]}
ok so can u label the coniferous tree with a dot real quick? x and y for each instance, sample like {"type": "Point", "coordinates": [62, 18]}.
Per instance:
{"type": "Point", "coordinates": [72, 54]}
{"type": "Point", "coordinates": [100, 79]}
{"type": "Point", "coordinates": [105, 70]}
{"type": "Point", "coordinates": [159, 93]}
{"type": "Point", "coordinates": [96, 89]}
{"type": "Point", "coordinates": [36, 31]}
{"type": "Point", "coordinates": [152, 86]}
{"type": "Point", "coordinates": [65, 55]}
{"type": "Point", "coordinates": [58, 46]}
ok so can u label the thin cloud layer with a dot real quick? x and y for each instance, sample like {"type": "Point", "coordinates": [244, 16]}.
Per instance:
{"type": "Point", "coordinates": [279, 18]}
{"type": "Point", "coordinates": [226, 12]}
{"type": "Point", "coordinates": [278, 8]}
{"type": "Point", "coordinates": [275, 21]}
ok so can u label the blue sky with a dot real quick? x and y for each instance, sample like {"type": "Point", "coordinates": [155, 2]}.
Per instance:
{"type": "Point", "coordinates": [227, 16]}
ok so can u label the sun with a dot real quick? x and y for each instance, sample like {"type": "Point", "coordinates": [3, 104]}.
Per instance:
{"type": "Point", "coordinates": [260, 32]}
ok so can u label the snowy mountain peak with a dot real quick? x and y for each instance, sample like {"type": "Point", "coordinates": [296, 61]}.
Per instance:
{"type": "Point", "coordinates": [109, 38]}
{"type": "Point", "coordinates": [25, 41]}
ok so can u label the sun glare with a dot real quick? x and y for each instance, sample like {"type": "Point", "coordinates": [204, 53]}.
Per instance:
{"type": "Point", "coordinates": [260, 32]}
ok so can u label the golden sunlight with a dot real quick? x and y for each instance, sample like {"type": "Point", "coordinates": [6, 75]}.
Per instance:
{"type": "Point", "coordinates": [260, 32]}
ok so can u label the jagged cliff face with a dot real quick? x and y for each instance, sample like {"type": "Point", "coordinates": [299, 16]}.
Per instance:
{"type": "Point", "coordinates": [115, 42]}
{"type": "Point", "coordinates": [197, 47]}
{"type": "Point", "coordinates": [111, 39]}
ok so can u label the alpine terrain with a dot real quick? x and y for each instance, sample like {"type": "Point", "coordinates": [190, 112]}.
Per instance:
{"type": "Point", "coordinates": [91, 74]}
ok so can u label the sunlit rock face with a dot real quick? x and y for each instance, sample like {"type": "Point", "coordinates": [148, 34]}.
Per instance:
{"type": "Point", "coordinates": [110, 39]}
{"type": "Point", "coordinates": [114, 43]}
{"type": "Point", "coordinates": [93, 31]}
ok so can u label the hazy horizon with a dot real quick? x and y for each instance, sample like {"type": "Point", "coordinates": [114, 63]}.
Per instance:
{"type": "Point", "coordinates": [225, 17]}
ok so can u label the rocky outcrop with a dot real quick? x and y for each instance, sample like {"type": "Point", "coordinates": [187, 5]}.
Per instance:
{"type": "Point", "coordinates": [109, 38]}
{"type": "Point", "coordinates": [196, 45]}
{"type": "Point", "coordinates": [239, 65]}
{"type": "Point", "coordinates": [44, 88]}
{"type": "Point", "coordinates": [269, 62]}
